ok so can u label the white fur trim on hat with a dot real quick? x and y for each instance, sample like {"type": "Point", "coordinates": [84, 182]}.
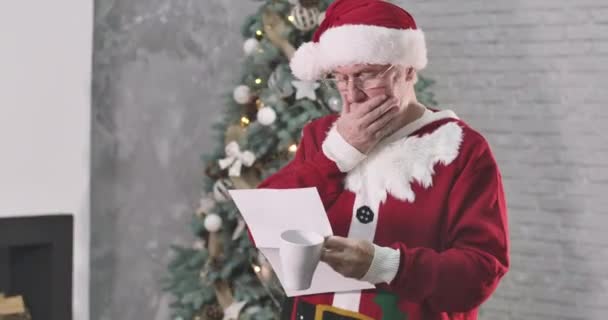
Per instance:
{"type": "Point", "coordinates": [305, 61]}
{"type": "Point", "coordinates": [359, 44]}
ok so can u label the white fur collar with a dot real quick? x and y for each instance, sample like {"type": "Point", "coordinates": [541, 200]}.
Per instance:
{"type": "Point", "coordinates": [401, 159]}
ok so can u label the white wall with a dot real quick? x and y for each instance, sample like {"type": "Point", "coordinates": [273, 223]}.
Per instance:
{"type": "Point", "coordinates": [45, 75]}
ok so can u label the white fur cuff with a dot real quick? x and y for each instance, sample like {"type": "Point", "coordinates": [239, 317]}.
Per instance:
{"type": "Point", "coordinates": [384, 265]}
{"type": "Point", "coordinates": [341, 152]}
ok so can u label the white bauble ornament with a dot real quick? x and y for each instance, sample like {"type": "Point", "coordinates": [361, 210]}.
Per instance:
{"type": "Point", "coordinates": [266, 116]}
{"type": "Point", "coordinates": [220, 190]}
{"type": "Point", "coordinates": [304, 19]}
{"type": "Point", "coordinates": [251, 45]}
{"type": "Point", "coordinates": [242, 94]}
{"type": "Point", "coordinates": [213, 222]}
{"type": "Point", "coordinates": [335, 104]}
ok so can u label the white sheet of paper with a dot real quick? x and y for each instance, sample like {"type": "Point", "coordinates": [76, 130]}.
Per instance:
{"type": "Point", "coordinates": [324, 280]}
{"type": "Point", "coordinates": [269, 212]}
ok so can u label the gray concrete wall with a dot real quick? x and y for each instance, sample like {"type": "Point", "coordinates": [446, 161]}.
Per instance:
{"type": "Point", "coordinates": [159, 69]}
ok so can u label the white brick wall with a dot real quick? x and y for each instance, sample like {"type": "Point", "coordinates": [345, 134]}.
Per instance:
{"type": "Point", "coordinates": [528, 75]}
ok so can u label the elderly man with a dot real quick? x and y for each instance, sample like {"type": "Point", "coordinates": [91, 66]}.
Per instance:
{"type": "Point", "coordinates": [413, 194]}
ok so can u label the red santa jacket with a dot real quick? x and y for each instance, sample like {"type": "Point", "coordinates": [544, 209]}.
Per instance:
{"type": "Point", "coordinates": [430, 198]}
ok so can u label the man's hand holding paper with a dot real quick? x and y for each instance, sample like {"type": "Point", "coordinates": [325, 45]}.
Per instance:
{"type": "Point", "coordinates": [271, 212]}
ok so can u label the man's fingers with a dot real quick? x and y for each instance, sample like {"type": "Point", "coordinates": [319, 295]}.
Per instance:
{"type": "Point", "coordinates": [387, 108]}
{"type": "Point", "coordinates": [331, 257]}
{"type": "Point", "coordinates": [339, 262]}
{"type": "Point", "coordinates": [370, 104]}
{"type": "Point", "coordinates": [346, 106]}
{"type": "Point", "coordinates": [382, 127]}
{"type": "Point", "coordinates": [336, 243]}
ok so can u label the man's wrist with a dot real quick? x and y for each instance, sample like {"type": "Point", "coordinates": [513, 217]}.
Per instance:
{"type": "Point", "coordinates": [336, 148]}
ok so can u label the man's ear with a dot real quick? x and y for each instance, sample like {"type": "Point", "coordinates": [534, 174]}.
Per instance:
{"type": "Point", "coordinates": [410, 74]}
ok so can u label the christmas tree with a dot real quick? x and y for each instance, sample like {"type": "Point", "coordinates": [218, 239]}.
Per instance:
{"type": "Point", "coordinates": [222, 276]}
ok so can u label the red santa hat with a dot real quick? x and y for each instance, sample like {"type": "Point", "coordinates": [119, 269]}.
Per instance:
{"type": "Point", "coordinates": [360, 32]}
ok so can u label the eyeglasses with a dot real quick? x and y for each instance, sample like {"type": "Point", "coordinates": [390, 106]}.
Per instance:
{"type": "Point", "coordinates": [365, 79]}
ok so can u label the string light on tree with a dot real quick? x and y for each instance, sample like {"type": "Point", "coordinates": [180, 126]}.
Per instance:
{"type": "Point", "coordinates": [293, 148]}
{"type": "Point", "coordinates": [257, 268]}
{"type": "Point", "coordinates": [259, 34]}
{"type": "Point", "coordinates": [245, 121]}
{"type": "Point", "coordinates": [264, 269]}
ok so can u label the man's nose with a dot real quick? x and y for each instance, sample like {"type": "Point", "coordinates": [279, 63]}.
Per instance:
{"type": "Point", "coordinates": [355, 94]}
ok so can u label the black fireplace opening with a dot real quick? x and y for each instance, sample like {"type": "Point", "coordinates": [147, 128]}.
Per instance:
{"type": "Point", "coordinates": [36, 263]}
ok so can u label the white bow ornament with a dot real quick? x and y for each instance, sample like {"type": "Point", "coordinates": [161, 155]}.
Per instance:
{"type": "Point", "coordinates": [235, 159]}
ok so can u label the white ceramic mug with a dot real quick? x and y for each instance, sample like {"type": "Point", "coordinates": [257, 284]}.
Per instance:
{"type": "Point", "coordinates": [300, 252]}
